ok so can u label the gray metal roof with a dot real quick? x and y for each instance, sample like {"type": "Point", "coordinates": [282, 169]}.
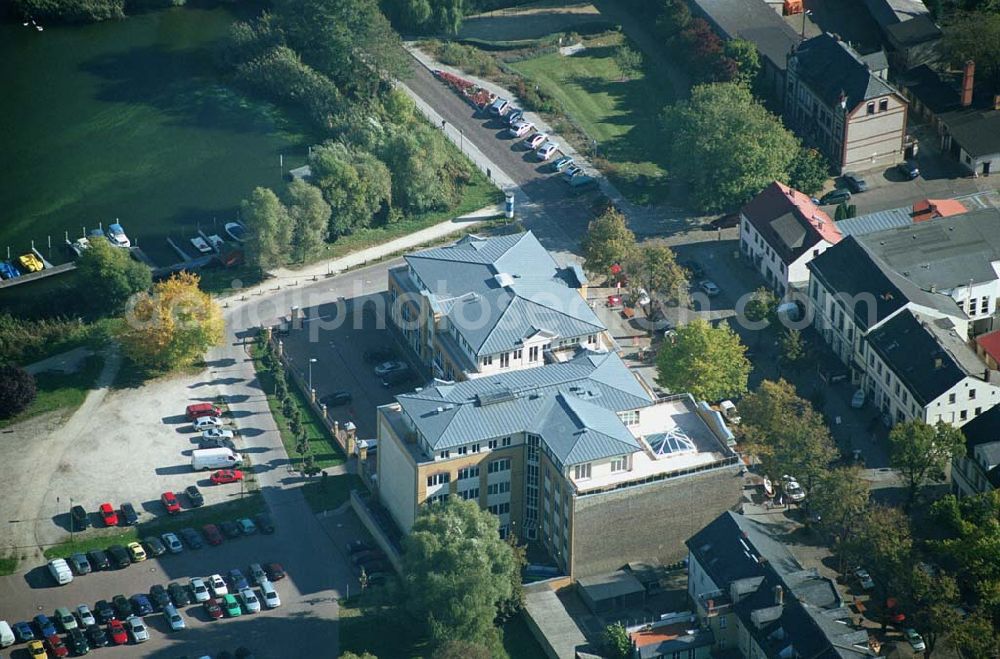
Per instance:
{"type": "Point", "coordinates": [498, 292]}
{"type": "Point", "coordinates": [572, 405]}
{"type": "Point", "coordinates": [878, 221]}
{"type": "Point", "coordinates": [943, 253]}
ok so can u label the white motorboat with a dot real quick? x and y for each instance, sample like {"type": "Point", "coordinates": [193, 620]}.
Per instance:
{"type": "Point", "coordinates": [116, 234]}
{"type": "Point", "coordinates": [200, 244]}
{"type": "Point", "coordinates": [236, 231]}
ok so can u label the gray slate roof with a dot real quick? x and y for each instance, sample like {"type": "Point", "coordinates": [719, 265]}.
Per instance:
{"type": "Point", "coordinates": [572, 405]}
{"type": "Point", "coordinates": [495, 316]}
{"type": "Point", "coordinates": [890, 12]}
{"type": "Point", "coordinates": [831, 67]}
{"type": "Point", "coordinates": [851, 269]}
{"type": "Point", "coordinates": [754, 21]}
{"type": "Point", "coordinates": [942, 253]}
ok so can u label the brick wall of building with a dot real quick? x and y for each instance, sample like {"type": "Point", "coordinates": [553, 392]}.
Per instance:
{"type": "Point", "coordinates": [649, 522]}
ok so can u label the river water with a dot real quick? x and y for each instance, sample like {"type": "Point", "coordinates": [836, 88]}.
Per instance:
{"type": "Point", "coordinates": [129, 120]}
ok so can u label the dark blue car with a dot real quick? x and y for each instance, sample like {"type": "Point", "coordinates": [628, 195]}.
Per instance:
{"type": "Point", "coordinates": [45, 626]}
{"type": "Point", "coordinates": [142, 605]}
{"type": "Point", "coordinates": [23, 632]}
{"type": "Point", "coordinates": [8, 271]}
{"type": "Point", "coordinates": [237, 581]}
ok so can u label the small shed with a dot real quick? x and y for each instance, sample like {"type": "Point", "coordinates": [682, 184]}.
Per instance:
{"type": "Point", "coordinates": [613, 591]}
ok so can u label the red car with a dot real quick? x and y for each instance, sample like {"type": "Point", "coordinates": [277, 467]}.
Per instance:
{"type": "Point", "coordinates": [213, 609]}
{"type": "Point", "coordinates": [109, 515]}
{"type": "Point", "coordinates": [56, 646]}
{"type": "Point", "coordinates": [116, 630]}
{"type": "Point", "coordinates": [212, 534]}
{"type": "Point", "coordinates": [171, 503]}
{"type": "Point", "coordinates": [227, 476]}
{"type": "Point", "coordinates": [198, 410]}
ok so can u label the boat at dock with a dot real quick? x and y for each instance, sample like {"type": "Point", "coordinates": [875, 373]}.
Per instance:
{"type": "Point", "coordinates": [116, 234]}
{"type": "Point", "coordinates": [236, 231]}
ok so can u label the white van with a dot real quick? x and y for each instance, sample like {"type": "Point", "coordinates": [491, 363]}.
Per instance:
{"type": "Point", "coordinates": [271, 599]}
{"type": "Point", "coordinates": [60, 571]}
{"type": "Point", "coordinates": [6, 634]}
{"type": "Point", "coordinates": [214, 458]}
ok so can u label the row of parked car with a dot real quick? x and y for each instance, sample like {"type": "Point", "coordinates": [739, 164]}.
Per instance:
{"type": "Point", "coordinates": [539, 142]}
{"type": "Point", "coordinates": [369, 560]}
{"type": "Point", "coordinates": [119, 620]}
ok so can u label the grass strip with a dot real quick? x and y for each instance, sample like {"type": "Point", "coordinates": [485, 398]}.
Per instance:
{"type": "Point", "coordinates": [61, 391]}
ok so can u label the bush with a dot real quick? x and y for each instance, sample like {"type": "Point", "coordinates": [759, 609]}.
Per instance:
{"type": "Point", "coordinates": [17, 390]}
{"type": "Point", "coordinates": [71, 11]}
{"type": "Point", "coordinates": [468, 58]}
{"type": "Point", "coordinates": [23, 341]}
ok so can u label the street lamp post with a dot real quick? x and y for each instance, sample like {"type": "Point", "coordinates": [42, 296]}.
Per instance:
{"type": "Point", "coordinates": [72, 522]}
{"type": "Point", "coordinates": [312, 360]}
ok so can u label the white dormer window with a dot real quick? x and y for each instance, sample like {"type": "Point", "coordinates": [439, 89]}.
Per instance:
{"type": "Point", "coordinates": [581, 471]}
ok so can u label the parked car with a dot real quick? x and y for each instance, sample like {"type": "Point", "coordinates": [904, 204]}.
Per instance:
{"type": "Point", "coordinates": [199, 590]}
{"type": "Point", "coordinates": [693, 267]}
{"type": "Point", "coordinates": [379, 355]}
{"type": "Point", "coordinates": [498, 107]}
{"type": "Point", "coordinates": [535, 140]}
{"type": "Point", "coordinates": [85, 615]}
{"type": "Point", "coordinates": [397, 377]}
{"type": "Point", "coordinates": [218, 433]}
{"type": "Point", "coordinates": [269, 594]}
{"type": "Point", "coordinates": [545, 151]}
{"type": "Point", "coordinates": [119, 556]}
{"type": "Point", "coordinates": [236, 580]}
{"type": "Point", "coordinates": [855, 183]}
{"type": "Point", "coordinates": [513, 116]}
{"type": "Point", "coordinates": [224, 476]}
{"type": "Point", "coordinates": [116, 630]}
{"type": "Point", "coordinates": [915, 640]}
{"type": "Point", "coordinates": [217, 443]}
{"type": "Point", "coordinates": [136, 552]}
{"type": "Point", "coordinates": [264, 523]}
{"type": "Point", "coordinates": [198, 410]}
{"type": "Point", "coordinates": [178, 594]}
{"type": "Point", "coordinates": [98, 559]}
{"type": "Point", "coordinates": [79, 564]}
{"type": "Point", "coordinates": [247, 527]}
{"type": "Point", "coordinates": [173, 618]}
{"type": "Point", "coordinates": [835, 196]}
{"type": "Point", "coordinates": [212, 608]}
{"type": "Point", "coordinates": [571, 171]}
{"type": "Point", "coordinates": [520, 127]}
{"type": "Point", "coordinates": [709, 288]}
{"type": "Point", "coordinates": [192, 538]}
{"type": "Point", "coordinates": [274, 571]}
{"type": "Point", "coordinates": [230, 529]}
{"type": "Point", "coordinates": [909, 169]}
{"type": "Point", "coordinates": [249, 600]}
{"type": "Point", "coordinates": [80, 521]}
{"type": "Point", "coordinates": [858, 399]}
{"type": "Point", "coordinates": [137, 628]}
{"type": "Point", "coordinates": [108, 514]}
{"type": "Point", "coordinates": [37, 650]}
{"type": "Point", "coordinates": [389, 367]}
{"type": "Point", "coordinates": [336, 399]}
{"type": "Point", "coordinates": [158, 595]}
{"type": "Point", "coordinates": [792, 489]}
{"type": "Point", "coordinates": [562, 163]}
{"type": "Point", "coordinates": [65, 618]}
{"type": "Point", "coordinates": [217, 585]}
{"type": "Point", "coordinates": [207, 423]}
{"type": "Point", "coordinates": [23, 632]}
{"type": "Point", "coordinates": [77, 642]}
{"type": "Point", "coordinates": [141, 604]}
{"type": "Point", "coordinates": [55, 645]}
{"type": "Point", "coordinates": [104, 611]}
{"type": "Point", "coordinates": [123, 608]}
{"type": "Point", "coordinates": [129, 516]}
{"type": "Point", "coordinates": [231, 606]}
{"type": "Point", "coordinates": [257, 573]}
{"type": "Point", "coordinates": [154, 547]}
{"type": "Point", "coordinates": [212, 534]}
{"type": "Point", "coordinates": [172, 542]}
{"type": "Point", "coordinates": [60, 571]}
{"type": "Point", "coordinates": [44, 625]}
{"type": "Point", "coordinates": [864, 579]}
{"type": "Point", "coordinates": [97, 637]}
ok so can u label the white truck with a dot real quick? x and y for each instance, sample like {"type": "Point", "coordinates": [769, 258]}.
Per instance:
{"type": "Point", "coordinates": [60, 571]}
{"type": "Point", "coordinates": [215, 458]}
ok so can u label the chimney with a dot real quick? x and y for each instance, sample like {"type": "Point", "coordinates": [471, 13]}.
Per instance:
{"type": "Point", "coordinates": [779, 595]}
{"type": "Point", "coordinates": [968, 80]}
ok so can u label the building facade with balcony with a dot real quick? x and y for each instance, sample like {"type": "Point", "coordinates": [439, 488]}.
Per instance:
{"type": "Point", "coordinates": [491, 305]}
{"type": "Point", "coordinates": [579, 455]}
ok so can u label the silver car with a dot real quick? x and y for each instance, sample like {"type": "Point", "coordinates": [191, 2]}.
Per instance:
{"type": "Point", "coordinates": [174, 618]}
{"type": "Point", "coordinates": [85, 616]}
{"type": "Point", "coordinates": [200, 590]}
{"type": "Point", "coordinates": [137, 628]}
{"type": "Point", "coordinates": [250, 601]}
{"type": "Point", "coordinates": [172, 542]}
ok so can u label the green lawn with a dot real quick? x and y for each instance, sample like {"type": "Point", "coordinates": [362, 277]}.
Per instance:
{"type": "Point", "coordinates": [622, 116]}
{"type": "Point", "coordinates": [61, 391]}
{"type": "Point", "coordinates": [7, 565]}
{"type": "Point", "coordinates": [331, 492]}
{"type": "Point", "coordinates": [248, 506]}
{"type": "Point", "coordinates": [323, 447]}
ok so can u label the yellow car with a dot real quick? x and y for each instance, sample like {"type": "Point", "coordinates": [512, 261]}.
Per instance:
{"type": "Point", "coordinates": [136, 551]}
{"type": "Point", "coordinates": [30, 262]}
{"type": "Point", "coordinates": [36, 649]}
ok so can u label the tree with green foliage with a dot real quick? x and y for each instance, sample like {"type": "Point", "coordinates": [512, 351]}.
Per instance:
{"type": "Point", "coordinates": [931, 596]}
{"type": "Point", "coordinates": [673, 16]}
{"type": "Point", "coordinates": [269, 229]}
{"type": "Point", "coordinates": [883, 542]}
{"type": "Point", "coordinates": [708, 362]}
{"type": "Point", "coordinates": [356, 184]}
{"type": "Point", "coordinates": [425, 174]}
{"type": "Point", "coordinates": [608, 242]}
{"type": "Point", "coordinates": [310, 216]}
{"type": "Point", "coordinates": [726, 145]}
{"type": "Point", "coordinates": [17, 390]}
{"type": "Point", "coordinates": [974, 36]}
{"type": "Point", "coordinates": [744, 53]}
{"type": "Point", "coordinates": [457, 649]}
{"type": "Point", "coordinates": [457, 573]}
{"type": "Point", "coordinates": [793, 348]}
{"type": "Point", "coordinates": [808, 171]}
{"type": "Point", "coordinates": [654, 266]}
{"type": "Point", "coordinates": [760, 309]}
{"type": "Point", "coordinates": [975, 636]}
{"type": "Point", "coordinates": [70, 11]}
{"type": "Point", "coordinates": [840, 497]}
{"type": "Point", "coordinates": [972, 528]}
{"type": "Point", "coordinates": [628, 60]}
{"type": "Point", "coordinates": [920, 451]}
{"type": "Point", "coordinates": [786, 433]}
{"type": "Point", "coordinates": [172, 326]}
{"type": "Point", "coordinates": [617, 642]}
{"type": "Point", "coordinates": [107, 277]}
{"type": "Point", "coordinates": [355, 655]}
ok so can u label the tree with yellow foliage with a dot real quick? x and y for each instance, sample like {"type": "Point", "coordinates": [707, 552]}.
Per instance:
{"type": "Point", "coordinates": [173, 326]}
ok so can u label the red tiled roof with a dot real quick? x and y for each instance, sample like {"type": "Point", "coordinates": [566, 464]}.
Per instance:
{"type": "Point", "coordinates": [990, 343]}
{"type": "Point", "coordinates": [777, 202]}
{"type": "Point", "coordinates": [928, 209]}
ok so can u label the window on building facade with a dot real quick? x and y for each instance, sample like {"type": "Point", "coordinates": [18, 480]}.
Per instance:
{"type": "Point", "coordinates": [444, 455]}
{"type": "Point", "coordinates": [984, 305]}
{"type": "Point", "coordinates": [468, 472]}
{"type": "Point", "coordinates": [533, 354]}
{"type": "Point", "coordinates": [517, 354]}
{"type": "Point", "coordinates": [629, 417]}
{"type": "Point", "coordinates": [505, 442]}
{"type": "Point", "coordinates": [951, 399]}
{"type": "Point", "coordinates": [469, 494]}
{"type": "Point", "coordinates": [437, 498]}
{"type": "Point", "coordinates": [871, 107]}
{"type": "Point", "coordinates": [498, 488]}
{"type": "Point", "coordinates": [619, 464]}
{"type": "Point", "coordinates": [504, 359]}
{"type": "Point", "coordinates": [581, 472]}
{"type": "Point", "coordinates": [438, 479]}
{"type": "Point", "coordinates": [499, 465]}
{"type": "Point", "coordinates": [488, 360]}
{"type": "Point", "coordinates": [883, 105]}
{"type": "Point", "coordinates": [492, 444]}
{"type": "Point", "coordinates": [592, 338]}
{"type": "Point", "coordinates": [963, 415]}
{"type": "Point", "coordinates": [475, 448]}
{"type": "Point", "coordinates": [462, 450]}
{"type": "Point", "coordinates": [499, 509]}
{"type": "Point", "coordinates": [978, 411]}
{"type": "Point", "coordinates": [972, 394]}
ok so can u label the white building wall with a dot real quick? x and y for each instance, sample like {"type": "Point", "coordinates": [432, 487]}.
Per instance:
{"type": "Point", "coordinates": [963, 402]}
{"type": "Point", "coordinates": [397, 478]}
